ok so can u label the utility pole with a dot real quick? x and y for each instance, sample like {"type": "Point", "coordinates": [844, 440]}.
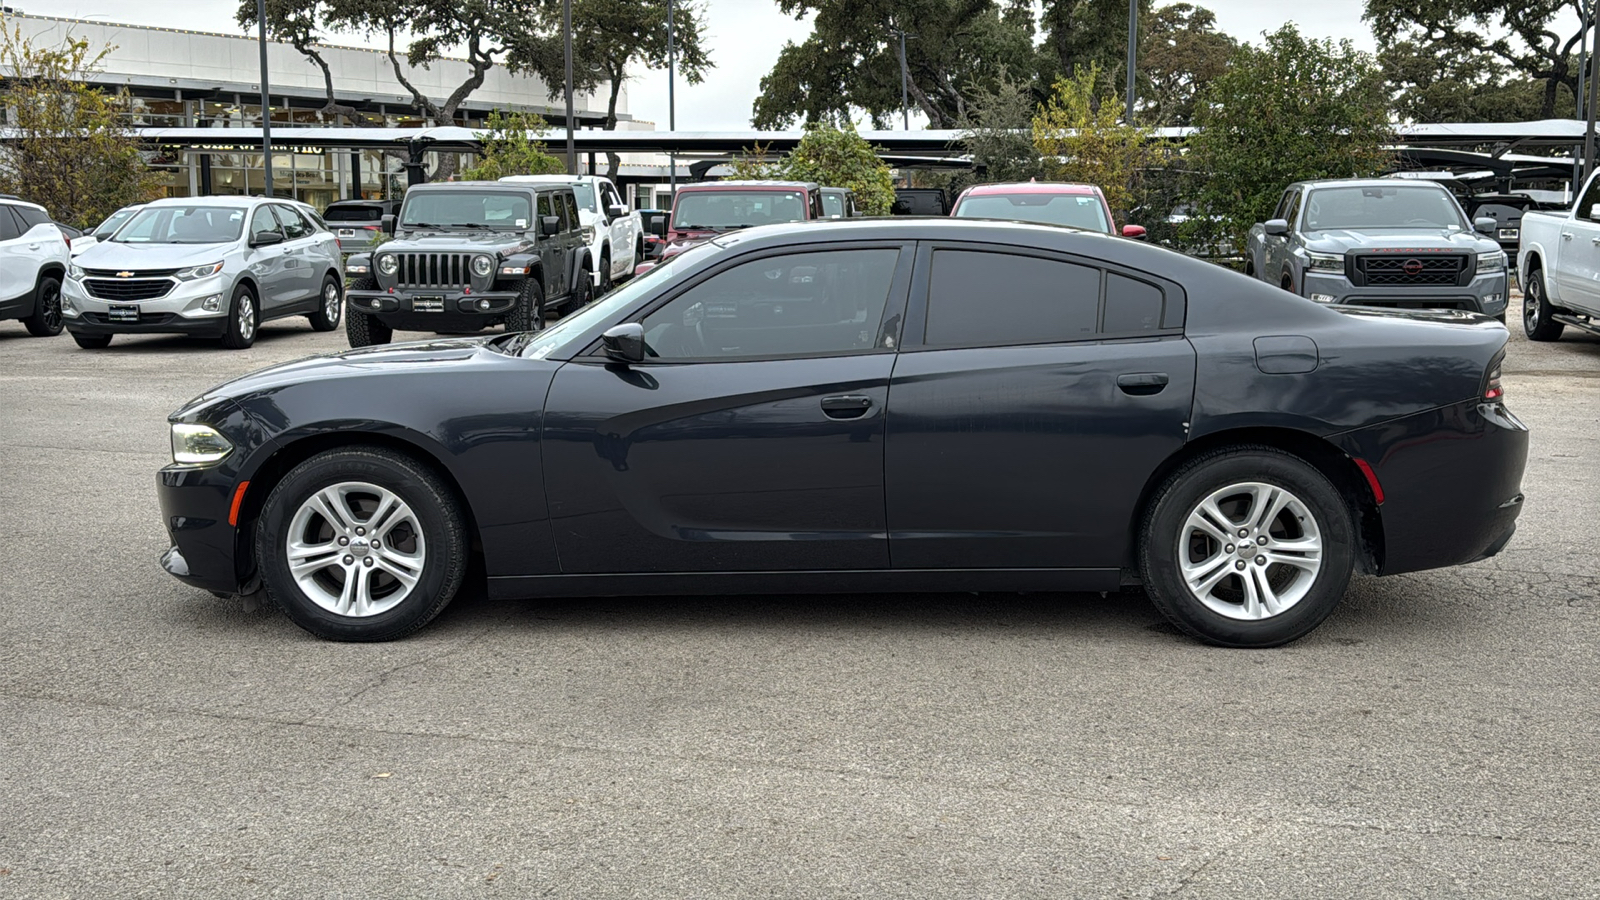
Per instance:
{"type": "Point", "coordinates": [905, 105]}
{"type": "Point", "coordinates": [672, 107]}
{"type": "Point", "coordinates": [1588, 131]}
{"type": "Point", "coordinates": [1133, 52]}
{"type": "Point", "coordinates": [1583, 66]}
{"type": "Point", "coordinates": [266, 105]}
{"type": "Point", "coordinates": [566, 33]}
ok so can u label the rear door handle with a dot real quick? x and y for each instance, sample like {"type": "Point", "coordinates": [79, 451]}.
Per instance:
{"type": "Point", "coordinates": [846, 406]}
{"type": "Point", "coordinates": [1143, 383]}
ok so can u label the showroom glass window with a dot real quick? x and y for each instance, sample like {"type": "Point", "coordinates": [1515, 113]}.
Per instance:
{"type": "Point", "coordinates": [794, 305]}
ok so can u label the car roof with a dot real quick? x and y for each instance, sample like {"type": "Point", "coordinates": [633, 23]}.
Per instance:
{"type": "Point", "coordinates": [1031, 187]}
{"type": "Point", "coordinates": [448, 185]}
{"type": "Point", "coordinates": [548, 179]}
{"type": "Point", "coordinates": [213, 201]}
{"type": "Point", "coordinates": [1371, 182]}
{"type": "Point", "coordinates": [757, 184]}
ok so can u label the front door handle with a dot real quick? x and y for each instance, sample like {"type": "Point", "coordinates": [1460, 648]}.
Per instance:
{"type": "Point", "coordinates": [1566, 235]}
{"type": "Point", "coordinates": [846, 406]}
{"type": "Point", "coordinates": [1143, 383]}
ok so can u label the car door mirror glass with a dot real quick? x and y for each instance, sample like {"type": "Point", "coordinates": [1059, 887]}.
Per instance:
{"type": "Point", "coordinates": [624, 343]}
{"type": "Point", "coordinates": [1276, 226]}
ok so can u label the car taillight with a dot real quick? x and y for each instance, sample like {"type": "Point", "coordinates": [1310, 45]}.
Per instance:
{"type": "Point", "coordinates": [1493, 390]}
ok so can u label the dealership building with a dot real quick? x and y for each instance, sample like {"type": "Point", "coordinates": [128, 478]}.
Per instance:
{"type": "Point", "coordinates": [189, 79]}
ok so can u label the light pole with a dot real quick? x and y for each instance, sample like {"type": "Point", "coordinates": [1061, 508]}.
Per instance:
{"type": "Point", "coordinates": [672, 107]}
{"type": "Point", "coordinates": [1133, 51]}
{"type": "Point", "coordinates": [566, 35]}
{"type": "Point", "coordinates": [1588, 131]}
{"type": "Point", "coordinates": [905, 105]}
{"type": "Point", "coordinates": [266, 108]}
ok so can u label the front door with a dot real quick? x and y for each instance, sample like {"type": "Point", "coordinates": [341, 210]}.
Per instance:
{"type": "Point", "coordinates": [268, 262]}
{"type": "Point", "coordinates": [752, 437]}
{"type": "Point", "coordinates": [1276, 246]}
{"type": "Point", "coordinates": [1022, 425]}
{"type": "Point", "coordinates": [552, 249]}
{"type": "Point", "coordinates": [1577, 271]}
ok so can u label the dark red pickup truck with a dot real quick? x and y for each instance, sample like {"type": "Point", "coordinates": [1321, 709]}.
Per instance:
{"type": "Point", "coordinates": [703, 211]}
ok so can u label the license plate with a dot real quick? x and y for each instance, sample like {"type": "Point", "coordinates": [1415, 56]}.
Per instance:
{"type": "Point", "coordinates": [123, 314]}
{"type": "Point", "coordinates": [427, 304]}
{"type": "Point", "coordinates": [347, 232]}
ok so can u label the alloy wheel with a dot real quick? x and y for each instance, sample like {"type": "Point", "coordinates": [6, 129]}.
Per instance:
{"type": "Point", "coordinates": [355, 549]}
{"type": "Point", "coordinates": [1250, 551]}
{"type": "Point", "coordinates": [50, 308]}
{"type": "Point", "coordinates": [1530, 306]}
{"type": "Point", "coordinates": [247, 317]}
{"type": "Point", "coordinates": [330, 302]}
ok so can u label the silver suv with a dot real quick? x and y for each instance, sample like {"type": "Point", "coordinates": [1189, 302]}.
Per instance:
{"type": "Point", "coordinates": [205, 266]}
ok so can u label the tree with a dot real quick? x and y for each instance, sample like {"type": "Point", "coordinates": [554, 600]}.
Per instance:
{"type": "Point", "coordinates": [1180, 52]}
{"type": "Point", "coordinates": [1289, 110]}
{"type": "Point", "coordinates": [996, 131]}
{"type": "Point", "coordinates": [609, 37]}
{"type": "Point", "coordinates": [298, 23]}
{"type": "Point", "coordinates": [71, 153]}
{"type": "Point", "coordinates": [1537, 39]}
{"type": "Point", "coordinates": [1426, 86]}
{"type": "Point", "coordinates": [851, 62]}
{"type": "Point", "coordinates": [1081, 134]}
{"type": "Point", "coordinates": [1080, 34]}
{"type": "Point", "coordinates": [832, 157]}
{"type": "Point", "coordinates": [512, 146]}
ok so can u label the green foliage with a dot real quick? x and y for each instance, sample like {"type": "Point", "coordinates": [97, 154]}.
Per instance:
{"type": "Point", "coordinates": [1484, 40]}
{"type": "Point", "coordinates": [1084, 34]}
{"type": "Point", "coordinates": [512, 146]}
{"type": "Point", "coordinates": [832, 157]}
{"type": "Point", "coordinates": [72, 154]}
{"type": "Point", "coordinates": [1082, 137]}
{"type": "Point", "coordinates": [1180, 53]}
{"type": "Point", "coordinates": [1292, 109]}
{"type": "Point", "coordinates": [996, 131]}
{"type": "Point", "coordinates": [1428, 86]}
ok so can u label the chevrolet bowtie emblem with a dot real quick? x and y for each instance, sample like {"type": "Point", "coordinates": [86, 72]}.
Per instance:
{"type": "Point", "coordinates": [124, 274]}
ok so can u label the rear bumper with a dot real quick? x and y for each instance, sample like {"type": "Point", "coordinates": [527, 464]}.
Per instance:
{"type": "Point", "coordinates": [1452, 483]}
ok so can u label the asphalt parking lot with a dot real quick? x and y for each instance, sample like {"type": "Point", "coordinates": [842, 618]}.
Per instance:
{"type": "Point", "coordinates": [1436, 737]}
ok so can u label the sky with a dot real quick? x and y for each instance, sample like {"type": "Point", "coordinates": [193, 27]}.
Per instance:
{"type": "Point", "coordinates": [744, 38]}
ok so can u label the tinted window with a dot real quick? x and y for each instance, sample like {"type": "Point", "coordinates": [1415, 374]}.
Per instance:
{"type": "Point", "coordinates": [294, 225]}
{"type": "Point", "coordinates": [10, 226]}
{"type": "Point", "coordinates": [570, 202]}
{"type": "Point", "coordinates": [1591, 198]}
{"type": "Point", "coordinates": [1131, 305]}
{"type": "Point", "coordinates": [354, 212]}
{"type": "Point", "coordinates": [544, 207]}
{"type": "Point", "coordinates": [30, 216]}
{"type": "Point", "coordinates": [802, 304]}
{"type": "Point", "coordinates": [1075, 210]}
{"type": "Point", "coordinates": [980, 299]}
{"type": "Point", "coordinates": [1293, 212]}
{"type": "Point", "coordinates": [1282, 212]}
{"type": "Point", "coordinates": [735, 209]}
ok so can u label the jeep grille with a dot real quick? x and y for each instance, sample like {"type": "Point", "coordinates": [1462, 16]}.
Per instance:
{"type": "Point", "coordinates": [435, 270]}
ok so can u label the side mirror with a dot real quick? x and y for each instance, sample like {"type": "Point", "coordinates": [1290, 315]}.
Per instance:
{"type": "Point", "coordinates": [388, 225]}
{"type": "Point", "coordinates": [1137, 232]}
{"type": "Point", "coordinates": [624, 343]}
{"type": "Point", "coordinates": [617, 210]}
{"type": "Point", "coordinates": [266, 239]}
{"type": "Point", "coordinates": [549, 226]}
{"type": "Point", "coordinates": [658, 227]}
{"type": "Point", "coordinates": [1275, 226]}
{"type": "Point", "coordinates": [1485, 225]}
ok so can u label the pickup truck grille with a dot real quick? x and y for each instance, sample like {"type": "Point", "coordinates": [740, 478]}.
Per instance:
{"type": "Point", "coordinates": [435, 270]}
{"type": "Point", "coordinates": [1404, 270]}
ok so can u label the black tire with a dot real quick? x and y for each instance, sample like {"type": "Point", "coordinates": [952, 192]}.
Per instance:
{"type": "Point", "coordinates": [328, 314]}
{"type": "Point", "coordinates": [244, 319]}
{"type": "Point", "coordinates": [1538, 316]}
{"type": "Point", "coordinates": [528, 313]}
{"type": "Point", "coordinates": [606, 284]}
{"type": "Point", "coordinates": [1164, 527]}
{"type": "Point", "coordinates": [46, 318]}
{"type": "Point", "coordinates": [364, 329]}
{"type": "Point", "coordinates": [1287, 283]}
{"type": "Point", "coordinates": [441, 534]}
{"type": "Point", "coordinates": [581, 297]}
{"type": "Point", "coordinates": [92, 341]}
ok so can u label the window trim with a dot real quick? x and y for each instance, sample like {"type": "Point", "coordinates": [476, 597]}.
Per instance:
{"type": "Point", "coordinates": [1174, 307]}
{"type": "Point", "coordinates": [250, 231]}
{"type": "Point", "coordinates": [893, 316]}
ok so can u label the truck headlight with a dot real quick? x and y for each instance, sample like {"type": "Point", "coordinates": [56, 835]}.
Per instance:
{"type": "Point", "coordinates": [1324, 262]}
{"type": "Point", "coordinates": [198, 444]}
{"type": "Point", "coordinates": [1492, 262]}
{"type": "Point", "coordinates": [482, 265]}
{"type": "Point", "coordinates": [388, 264]}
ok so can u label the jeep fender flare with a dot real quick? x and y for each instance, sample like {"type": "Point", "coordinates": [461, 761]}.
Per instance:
{"type": "Point", "coordinates": [583, 269]}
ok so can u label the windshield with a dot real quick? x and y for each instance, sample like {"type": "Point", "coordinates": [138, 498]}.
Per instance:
{"type": "Point", "coordinates": [109, 226]}
{"type": "Point", "coordinates": [183, 225]}
{"type": "Point", "coordinates": [538, 345]}
{"type": "Point", "coordinates": [585, 194]}
{"type": "Point", "coordinates": [708, 210]}
{"type": "Point", "coordinates": [833, 204]}
{"type": "Point", "coordinates": [1382, 207]}
{"type": "Point", "coordinates": [466, 209]}
{"type": "Point", "coordinates": [1074, 210]}
{"type": "Point", "coordinates": [353, 213]}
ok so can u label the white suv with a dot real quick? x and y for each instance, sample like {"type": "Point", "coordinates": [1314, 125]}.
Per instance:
{"type": "Point", "coordinates": [614, 232]}
{"type": "Point", "coordinates": [33, 261]}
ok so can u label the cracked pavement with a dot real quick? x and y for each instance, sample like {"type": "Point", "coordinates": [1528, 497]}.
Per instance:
{"type": "Point", "coordinates": [1436, 737]}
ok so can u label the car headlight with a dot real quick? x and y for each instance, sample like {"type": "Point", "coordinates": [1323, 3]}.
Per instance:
{"type": "Point", "coordinates": [1492, 262]}
{"type": "Point", "coordinates": [354, 269]}
{"type": "Point", "coordinates": [482, 265]}
{"type": "Point", "coordinates": [1324, 262]}
{"type": "Point", "coordinates": [388, 265]}
{"type": "Point", "coordinates": [75, 272]}
{"type": "Point", "coordinates": [588, 234]}
{"type": "Point", "coordinates": [198, 444]}
{"type": "Point", "coordinates": [205, 271]}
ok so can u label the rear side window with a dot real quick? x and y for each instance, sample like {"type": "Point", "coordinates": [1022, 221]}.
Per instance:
{"type": "Point", "coordinates": [30, 216]}
{"type": "Point", "coordinates": [10, 226]}
{"type": "Point", "coordinates": [1131, 305]}
{"type": "Point", "coordinates": [294, 225]}
{"type": "Point", "coordinates": [978, 299]}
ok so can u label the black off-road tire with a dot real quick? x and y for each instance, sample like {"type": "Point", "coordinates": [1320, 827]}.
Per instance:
{"type": "Point", "coordinates": [606, 284]}
{"type": "Point", "coordinates": [437, 511]}
{"type": "Point", "coordinates": [1164, 526]}
{"type": "Point", "coordinates": [581, 297]}
{"type": "Point", "coordinates": [528, 312]}
{"type": "Point", "coordinates": [46, 318]}
{"type": "Point", "coordinates": [364, 329]}
{"type": "Point", "coordinates": [1538, 316]}
{"type": "Point", "coordinates": [92, 341]}
{"type": "Point", "coordinates": [235, 335]}
{"type": "Point", "coordinates": [327, 316]}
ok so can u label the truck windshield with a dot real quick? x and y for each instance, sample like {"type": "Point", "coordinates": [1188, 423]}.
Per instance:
{"type": "Point", "coordinates": [466, 209]}
{"type": "Point", "coordinates": [1075, 210]}
{"type": "Point", "coordinates": [718, 210]}
{"type": "Point", "coordinates": [1382, 207]}
{"type": "Point", "coordinates": [183, 225]}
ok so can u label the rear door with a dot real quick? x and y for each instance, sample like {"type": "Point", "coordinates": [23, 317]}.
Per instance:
{"type": "Point", "coordinates": [300, 270]}
{"type": "Point", "coordinates": [751, 439]}
{"type": "Point", "coordinates": [19, 267]}
{"type": "Point", "coordinates": [1024, 423]}
{"type": "Point", "coordinates": [551, 249]}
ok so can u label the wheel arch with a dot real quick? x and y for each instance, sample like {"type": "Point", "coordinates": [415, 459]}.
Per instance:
{"type": "Point", "coordinates": [1334, 464]}
{"type": "Point", "coordinates": [281, 461]}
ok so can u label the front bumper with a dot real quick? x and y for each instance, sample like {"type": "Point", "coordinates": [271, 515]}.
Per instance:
{"type": "Point", "coordinates": [183, 310]}
{"type": "Point", "coordinates": [1452, 479]}
{"type": "Point", "coordinates": [195, 503]}
{"type": "Point", "coordinates": [425, 302]}
{"type": "Point", "coordinates": [1486, 293]}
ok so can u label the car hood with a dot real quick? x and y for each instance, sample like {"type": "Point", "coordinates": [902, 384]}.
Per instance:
{"type": "Point", "coordinates": [457, 242]}
{"type": "Point", "coordinates": [112, 255]}
{"type": "Point", "coordinates": [1344, 240]}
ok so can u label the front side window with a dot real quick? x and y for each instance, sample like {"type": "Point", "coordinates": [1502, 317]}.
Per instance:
{"type": "Point", "coordinates": [583, 192]}
{"type": "Point", "coordinates": [1382, 206]}
{"type": "Point", "coordinates": [467, 209]}
{"type": "Point", "coordinates": [263, 223]}
{"type": "Point", "coordinates": [185, 225]}
{"type": "Point", "coordinates": [1589, 206]}
{"type": "Point", "coordinates": [801, 304]}
{"type": "Point", "coordinates": [1083, 211]}
{"type": "Point", "coordinates": [725, 210]}
{"type": "Point", "coordinates": [544, 207]}
{"type": "Point", "coordinates": [987, 299]}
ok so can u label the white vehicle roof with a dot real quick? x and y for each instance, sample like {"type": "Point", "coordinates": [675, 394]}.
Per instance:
{"type": "Point", "coordinates": [7, 201]}
{"type": "Point", "coordinates": [553, 179]}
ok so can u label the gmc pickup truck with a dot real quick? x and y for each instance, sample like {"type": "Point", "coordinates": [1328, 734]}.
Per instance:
{"type": "Point", "coordinates": [1558, 265]}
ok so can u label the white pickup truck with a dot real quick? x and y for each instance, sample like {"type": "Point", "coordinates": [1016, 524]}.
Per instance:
{"type": "Point", "coordinates": [614, 233]}
{"type": "Point", "coordinates": [1558, 264]}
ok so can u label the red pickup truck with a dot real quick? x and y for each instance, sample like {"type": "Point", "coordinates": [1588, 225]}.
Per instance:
{"type": "Point", "coordinates": [703, 211]}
